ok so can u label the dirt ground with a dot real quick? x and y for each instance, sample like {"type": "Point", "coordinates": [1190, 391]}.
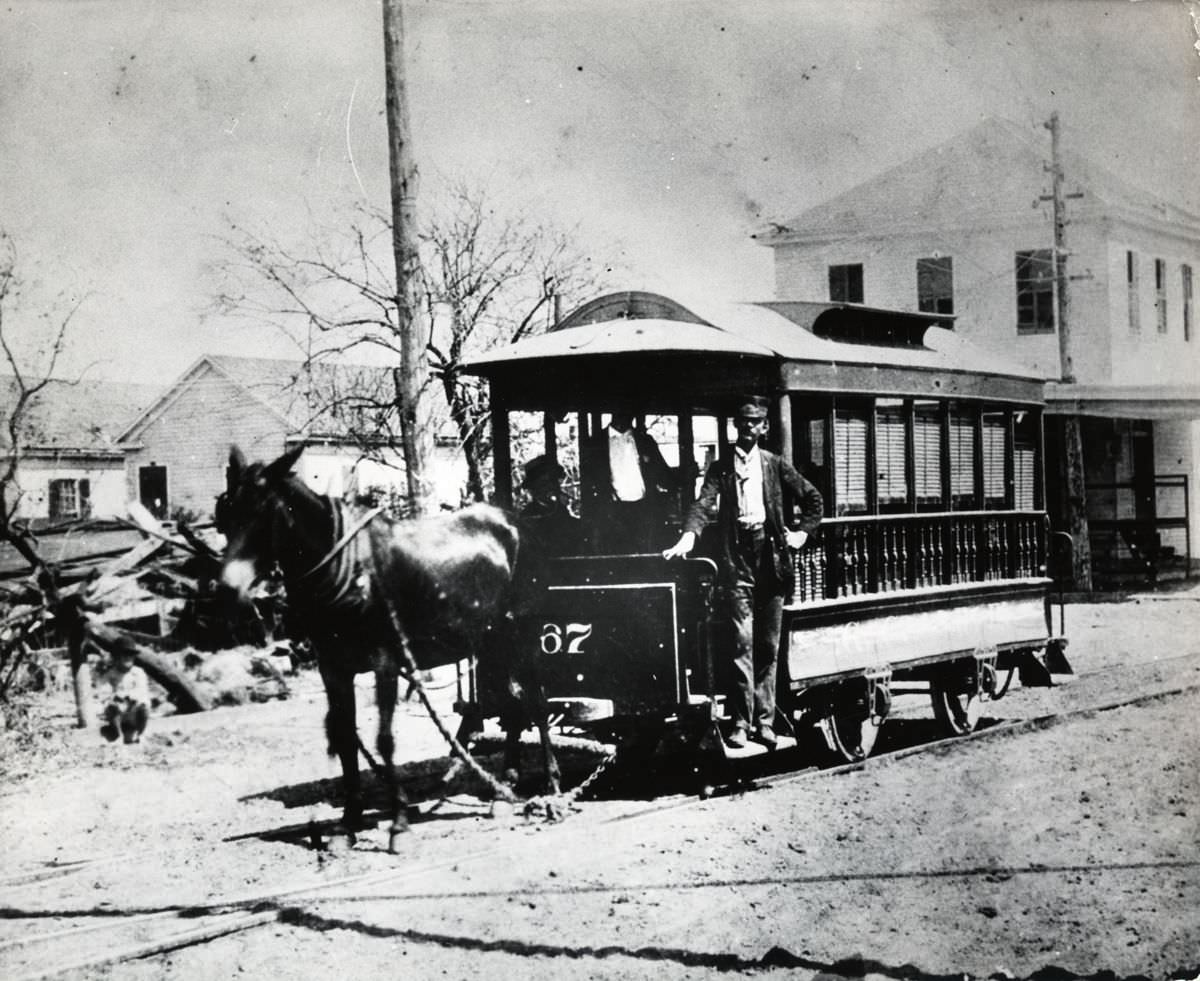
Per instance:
{"type": "Point", "coordinates": [1063, 847]}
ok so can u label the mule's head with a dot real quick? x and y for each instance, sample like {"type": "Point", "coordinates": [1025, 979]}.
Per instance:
{"type": "Point", "coordinates": [248, 514]}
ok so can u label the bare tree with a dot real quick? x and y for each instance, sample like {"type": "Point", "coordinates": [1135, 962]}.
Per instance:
{"type": "Point", "coordinates": [487, 278]}
{"type": "Point", "coordinates": [30, 373]}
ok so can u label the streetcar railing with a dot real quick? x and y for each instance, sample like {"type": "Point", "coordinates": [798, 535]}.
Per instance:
{"type": "Point", "coordinates": [876, 554]}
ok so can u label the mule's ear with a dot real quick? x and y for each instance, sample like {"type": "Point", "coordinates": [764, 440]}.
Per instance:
{"type": "Point", "coordinates": [283, 466]}
{"type": "Point", "coordinates": [237, 463]}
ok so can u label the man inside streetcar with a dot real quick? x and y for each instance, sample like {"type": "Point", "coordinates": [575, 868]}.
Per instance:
{"type": "Point", "coordinates": [547, 525]}
{"type": "Point", "coordinates": [626, 486]}
{"type": "Point", "coordinates": [745, 494]}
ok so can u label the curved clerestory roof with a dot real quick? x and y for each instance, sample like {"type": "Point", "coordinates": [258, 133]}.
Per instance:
{"type": "Point", "coordinates": [634, 322]}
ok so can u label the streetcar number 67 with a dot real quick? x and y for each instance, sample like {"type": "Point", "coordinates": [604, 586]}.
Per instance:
{"type": "Point", "coordinates": [569, 637]}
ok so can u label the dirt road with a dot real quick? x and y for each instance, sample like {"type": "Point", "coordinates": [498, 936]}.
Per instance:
{"type": "Point", "coordinates": [1063, 847]}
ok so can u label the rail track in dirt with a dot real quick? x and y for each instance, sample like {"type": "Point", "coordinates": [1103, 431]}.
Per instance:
{"type": "Point", "coordinates": [88, 937]}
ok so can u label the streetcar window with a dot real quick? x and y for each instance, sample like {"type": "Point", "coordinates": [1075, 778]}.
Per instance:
{"type": "Point", "coordinates": [850, 429]}
{"type": "Point", "coordinates": [927, 455]}
{"type": "Point", "coordinates": [1025, 441]}
{"type": "Point", "coordinates": [962, 459]}
{"type": "Point", "coordinates": [891, 482]}
{"type": "Point", "coordinates": [994, 459]}
{"type": "Point", "coordinates": [810, 419]}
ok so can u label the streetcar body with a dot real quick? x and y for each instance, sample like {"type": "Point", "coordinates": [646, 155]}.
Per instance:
{"type": "Point", "coordinates": [931, 564]}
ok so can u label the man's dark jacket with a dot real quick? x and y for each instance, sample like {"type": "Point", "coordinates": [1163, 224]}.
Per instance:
{"type": "Point", "coordinates": [718, 503]}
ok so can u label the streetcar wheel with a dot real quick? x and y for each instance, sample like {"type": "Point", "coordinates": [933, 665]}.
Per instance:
{"type": "Point", "coordinates": [958, 712]}
{"type": "Point", "coordinates": [851, 735]}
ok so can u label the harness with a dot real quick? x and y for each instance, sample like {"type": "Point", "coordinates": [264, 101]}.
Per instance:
{"type": "Point", "coordinates": [344, 585]}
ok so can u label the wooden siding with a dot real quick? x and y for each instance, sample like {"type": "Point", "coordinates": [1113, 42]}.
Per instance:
{"type": "Point", "coordinates": [191, 435]}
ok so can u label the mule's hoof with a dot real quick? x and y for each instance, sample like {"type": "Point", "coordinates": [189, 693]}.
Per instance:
{"type": "Point", "coordinates": [394, 835]}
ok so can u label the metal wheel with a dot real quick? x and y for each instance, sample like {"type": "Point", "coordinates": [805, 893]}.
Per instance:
{"type": "Point", "coordinates": [851, 735]}
{"type": "Point", "coordinates": [957, 711]}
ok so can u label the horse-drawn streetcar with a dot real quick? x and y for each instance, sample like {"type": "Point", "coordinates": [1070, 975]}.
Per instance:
{"type": "Point", "coordinates": [929, 567]}
{"type": "Point", "coordinates": [916, 464]}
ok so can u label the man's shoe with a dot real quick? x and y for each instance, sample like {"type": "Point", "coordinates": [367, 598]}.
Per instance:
{"type": "Point", "coordinates": [766, 737]}
{"type": "Point", "coordinates": [737, 737]}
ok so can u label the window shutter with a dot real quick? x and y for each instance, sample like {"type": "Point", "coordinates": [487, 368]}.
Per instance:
{"type": "Point", "coordinates": [993, 460]}
{"type": "Point", "coordinates": [962, 458]}
{"type": "Point", "coordinates": [850, 470]}
{"type": "Point", "coordinates": [927, 454]}
{"type": "Point", "coordinates": [1023, 477]}
{"type": "Point", "coordinates": [890, 484]}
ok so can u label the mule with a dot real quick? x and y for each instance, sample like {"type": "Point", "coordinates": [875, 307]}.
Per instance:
{"type": "Point", "coordinates": [366, 589]}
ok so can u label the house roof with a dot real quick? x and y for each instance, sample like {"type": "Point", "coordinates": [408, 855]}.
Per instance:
{"type": "Point", "coordinates": [316, 402]}
{"type": "Point", "coordinates": [994, 172]}
{"type": "Point", "coordinates": [85, 416]}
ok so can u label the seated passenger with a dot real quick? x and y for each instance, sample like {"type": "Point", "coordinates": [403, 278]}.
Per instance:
{"type": "Point", "coordinates": [546, 523]}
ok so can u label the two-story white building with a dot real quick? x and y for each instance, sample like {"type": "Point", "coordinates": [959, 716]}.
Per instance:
{"type": "Point", "coordinates": [967, 228]}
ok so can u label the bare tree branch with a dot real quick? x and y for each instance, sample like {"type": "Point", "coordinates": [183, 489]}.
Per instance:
{"type": "Point", "coordinates": [487, 279]}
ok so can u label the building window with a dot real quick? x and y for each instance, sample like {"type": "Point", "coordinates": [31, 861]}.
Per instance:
{"type": "Point", "coordinates": [1160, 294]}
{"type": "Point", "coordinates": [1185, 273]}
{"type": "Point", "coordinates": [846, 283]}
{"type": "Point", "coordinates": [1131, 289]}
{"type": "Point", "coordinates": [1035, 292]}
{"type": "Point", "coordinates": [935, 284]}
{"type": "Point", "coordinates": [70, 498]}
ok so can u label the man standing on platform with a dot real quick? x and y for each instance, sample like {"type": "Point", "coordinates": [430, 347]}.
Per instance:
{"type": "Point", "coordinates": [745, 493]}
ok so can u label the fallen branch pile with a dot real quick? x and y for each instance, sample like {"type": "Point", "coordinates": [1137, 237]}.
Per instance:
{"type": "Point", "coordinates": [152, 606]}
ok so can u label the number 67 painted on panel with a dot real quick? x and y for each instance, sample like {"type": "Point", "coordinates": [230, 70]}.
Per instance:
{"type": "Point", "coordinates": [557, 638]}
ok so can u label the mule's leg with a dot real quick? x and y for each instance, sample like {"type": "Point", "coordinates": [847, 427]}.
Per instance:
{"type": "Point", "coordinates": [513, 724]}
{"type": "Point", "coordinates": [549, 760]}
{"type": "Point", "coordinates": [386, 689]}
{"type": "Point", "coordinates": [342, 732]}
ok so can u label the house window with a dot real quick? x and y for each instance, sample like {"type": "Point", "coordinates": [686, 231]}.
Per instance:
{"type": "Point", "coordinates": [846, 283]}
{"type": "Point", "coordinates": [1131, 289]}
{"type": "Point", "coordinates": [70, 498]}
{"type": "Point", "coordinates": [1160, 294]}
{"type": "Point", "coordinates": [1035, 292]}
{"type": "Point", "coordinates": [935, 284]}
{"type": "Point", "coordinates": [1185, 273]}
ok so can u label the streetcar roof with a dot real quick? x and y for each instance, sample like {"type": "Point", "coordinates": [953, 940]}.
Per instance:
{"type": "Point", "coordinates": [797, 331]}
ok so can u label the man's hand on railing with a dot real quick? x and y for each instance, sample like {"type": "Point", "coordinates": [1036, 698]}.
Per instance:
{"type": "Point", "coordinates": [681, 549]}
{"type": "Point", "coordinates": [795, 539]}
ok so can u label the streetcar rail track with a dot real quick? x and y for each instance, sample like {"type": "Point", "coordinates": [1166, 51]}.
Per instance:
{"type": "Point", "coordinates": [221, 916]}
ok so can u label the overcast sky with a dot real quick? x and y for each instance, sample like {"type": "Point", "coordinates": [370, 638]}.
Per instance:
{"type": "Point", "coordinates": [131, 130]}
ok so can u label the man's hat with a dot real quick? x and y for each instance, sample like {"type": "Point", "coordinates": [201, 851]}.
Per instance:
{"type": "Point", "coordinates": [752, 407]}
{"type": "Point", "coordinates": [541, 467]}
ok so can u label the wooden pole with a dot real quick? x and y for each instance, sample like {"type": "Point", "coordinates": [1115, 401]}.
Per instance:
{"type": "Point", "coordinates": [1076, 516]}
{"type": "Point", "coordinates": [410, 375]}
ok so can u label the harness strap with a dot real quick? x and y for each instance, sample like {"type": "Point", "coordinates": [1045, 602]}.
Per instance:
{"type": "Point", "coordinates": [342, 542]}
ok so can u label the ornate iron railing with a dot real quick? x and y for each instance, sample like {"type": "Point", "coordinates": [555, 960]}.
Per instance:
{"type": "Point", "coordinates": [877, 554]}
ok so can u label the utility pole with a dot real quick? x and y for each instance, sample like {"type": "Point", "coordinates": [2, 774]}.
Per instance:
{"type": "Point", "coordinates": [1076, 516]}
{"type": "Point", "coordinates": [410, 374]}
